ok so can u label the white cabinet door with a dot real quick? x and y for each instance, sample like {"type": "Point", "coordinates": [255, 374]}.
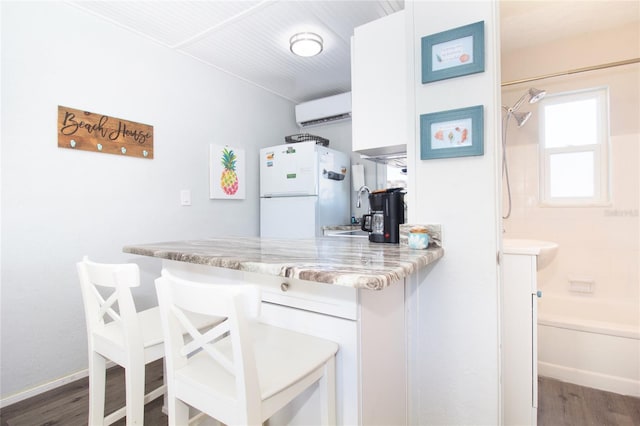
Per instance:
{"type": "Point", "coordinates": [305, 410]}
{"type": "Point", "coordinates": [519, 357]}
{"type": "Point", "coordinates": [371, 364]}
{"type": "Point", "coordinates": [379, 86]}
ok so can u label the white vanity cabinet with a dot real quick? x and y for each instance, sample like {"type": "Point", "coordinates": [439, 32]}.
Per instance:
{"type": "Point", "coordinates": [369, 326]}
{"type": "Point", "coordinates": [379, 86]}
{"type": "Point", "coordinates": [519, 339]}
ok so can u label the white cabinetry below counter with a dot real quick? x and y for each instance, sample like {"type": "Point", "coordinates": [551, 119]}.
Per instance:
{"type": "Point", "coordinates": [347, 290]}
{"type": "Point", "coordinates": [369, 326]}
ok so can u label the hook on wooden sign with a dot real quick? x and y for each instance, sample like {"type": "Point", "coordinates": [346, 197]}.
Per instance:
{"type": "Point", "coordinates": [87, 131]}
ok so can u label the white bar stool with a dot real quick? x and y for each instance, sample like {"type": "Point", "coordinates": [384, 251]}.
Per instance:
{"type": "Point", "coordinates": [241, 371]}
{"type": "Point", "coordinates": [130, 339]}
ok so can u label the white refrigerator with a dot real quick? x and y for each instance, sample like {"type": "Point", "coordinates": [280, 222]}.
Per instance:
{"type": "Point", "coordinates": [303, 187]}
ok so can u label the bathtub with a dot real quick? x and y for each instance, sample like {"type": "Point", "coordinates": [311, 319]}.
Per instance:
{"type": "Point", "coordinates": [590, 342]}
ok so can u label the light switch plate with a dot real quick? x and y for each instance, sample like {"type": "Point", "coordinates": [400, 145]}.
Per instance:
{"type": "Point", "coordinates": [185, 197]}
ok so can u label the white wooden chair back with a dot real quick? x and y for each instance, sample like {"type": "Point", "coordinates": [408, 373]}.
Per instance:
{"type": "Point", "coordinates": [117, 332]}
{"type": "Point", "coordinates": [239, 305]}
{"type": "Point", "coordinates": [118, 305]}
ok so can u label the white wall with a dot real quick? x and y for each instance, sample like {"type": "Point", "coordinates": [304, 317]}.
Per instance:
{"type": "Point", "coordinates": [454, 365]}
{"type": "Point", "coordinates": [596, 243]}
{"type": "Point", "coordinates": [60, 204]}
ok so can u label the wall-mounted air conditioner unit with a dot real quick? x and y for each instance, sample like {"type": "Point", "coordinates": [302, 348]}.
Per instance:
{"type": "Point", "coordinates": [324, 110]}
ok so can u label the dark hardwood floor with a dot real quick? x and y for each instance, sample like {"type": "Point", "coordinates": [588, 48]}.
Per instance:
{"type": "Point", "coordinates": [559, 404]}
{"type": "Point", "coordinates": [566, 404]}
{"type": "Point", "coordinates": [68, 405]}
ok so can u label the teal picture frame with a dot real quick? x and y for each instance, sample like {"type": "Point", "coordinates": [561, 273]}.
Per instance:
{"type": "Point", "coordinates": [453, 53]}
{"type": "Point", "coordinates": [453, 133]}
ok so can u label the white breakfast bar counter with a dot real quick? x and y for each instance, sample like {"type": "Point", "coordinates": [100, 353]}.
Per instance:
{"type": "Point", "coordinates": [344, 289]}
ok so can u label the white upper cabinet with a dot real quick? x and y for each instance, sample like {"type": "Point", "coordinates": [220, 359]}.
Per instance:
{"type": "Point", "coordinates": [379, 86]}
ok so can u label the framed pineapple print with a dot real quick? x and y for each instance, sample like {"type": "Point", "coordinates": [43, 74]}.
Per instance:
{"type": "Point", "coordinates": [226, 172]}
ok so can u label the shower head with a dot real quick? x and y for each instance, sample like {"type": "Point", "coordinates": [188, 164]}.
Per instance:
{"type": "Point", "coordinates": [536, 95]}
{"type": "Point", "coordinates": [521, 117]}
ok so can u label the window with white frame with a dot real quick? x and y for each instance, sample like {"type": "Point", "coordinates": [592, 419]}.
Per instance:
{"type": "Point", "coordinates": [574, 144]}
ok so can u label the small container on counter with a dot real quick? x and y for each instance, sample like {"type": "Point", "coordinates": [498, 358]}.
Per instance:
{"type": "Point", "coordinates": [418, 238]}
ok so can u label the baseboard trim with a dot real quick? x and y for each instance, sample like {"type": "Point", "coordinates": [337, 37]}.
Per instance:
{"type": "Point", "coordinates": [22, 395]}
{"type": "Point", "coordinates": [619, 385]}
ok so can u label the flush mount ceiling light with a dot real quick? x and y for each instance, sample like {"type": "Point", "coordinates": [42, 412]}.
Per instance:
{"type": "Point", "coordinates": [305, 44]}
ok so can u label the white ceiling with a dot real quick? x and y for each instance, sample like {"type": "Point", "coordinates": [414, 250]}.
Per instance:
{"type": "Point", "coordinates": [250, 39]}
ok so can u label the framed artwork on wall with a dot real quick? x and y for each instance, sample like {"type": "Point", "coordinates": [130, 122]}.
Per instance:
{"type": "Point", "coordinates": [226, 172]}
{"type": "Point", "coordinates": [453, 133]}
{"type": "Point", "coordinates": [453, 53]}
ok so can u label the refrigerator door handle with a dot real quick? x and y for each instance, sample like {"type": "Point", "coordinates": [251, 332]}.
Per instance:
{"type": "Point", "coordinates": [332, 175]}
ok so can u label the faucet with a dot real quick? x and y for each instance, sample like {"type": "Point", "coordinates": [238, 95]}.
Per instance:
{"type": "Point", "coordinates": [360, 191]}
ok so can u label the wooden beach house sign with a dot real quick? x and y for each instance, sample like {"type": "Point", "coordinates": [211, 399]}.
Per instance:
{"type": "Point", "coordinates": [88, 131]}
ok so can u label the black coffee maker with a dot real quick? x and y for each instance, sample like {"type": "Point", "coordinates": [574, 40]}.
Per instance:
{"type": "Point", "coordinates": [387, 213]}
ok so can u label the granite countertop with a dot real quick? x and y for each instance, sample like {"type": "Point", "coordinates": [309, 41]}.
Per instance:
{"type": "Point", "coordinates": [351, 262]}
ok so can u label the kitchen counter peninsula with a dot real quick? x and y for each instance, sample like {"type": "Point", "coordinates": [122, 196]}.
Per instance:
{"type": "Point", "coordinates": [343, 289]}
{"type": "Point", "coordinates": [350, 262]}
